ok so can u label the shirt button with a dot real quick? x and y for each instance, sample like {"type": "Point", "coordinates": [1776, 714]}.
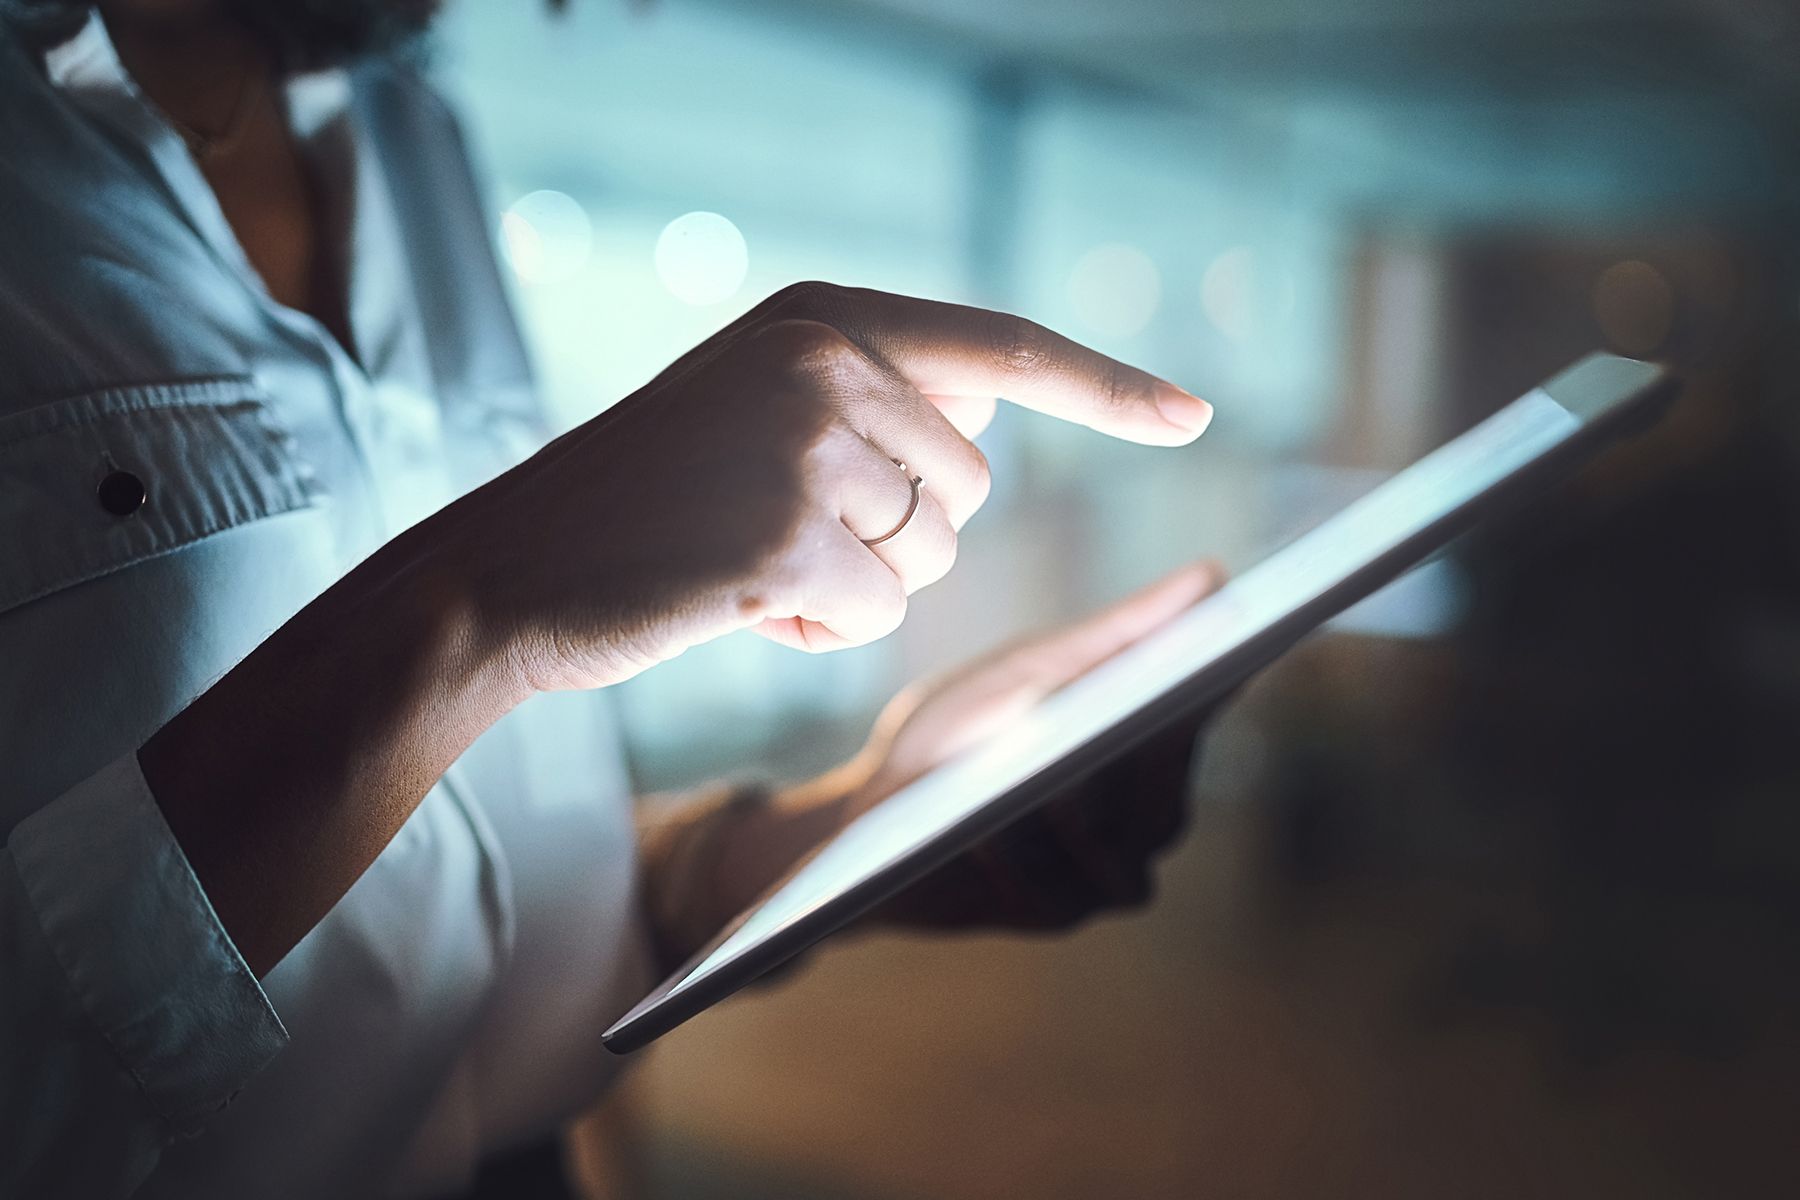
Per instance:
{"type": "Point", "coordinates": [121, 493]}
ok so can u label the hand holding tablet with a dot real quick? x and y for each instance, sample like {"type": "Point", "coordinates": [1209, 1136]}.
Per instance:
{"type": "Point", "coordinates": [1193, 660]}
{"type": "Point", "coordinates": [1089, 849]}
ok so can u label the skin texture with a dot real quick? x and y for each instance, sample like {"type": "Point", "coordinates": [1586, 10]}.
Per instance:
{"type": "Point", "coordinates": [730, 493]}
{"type": "Point", "coordinates": [773, 447]}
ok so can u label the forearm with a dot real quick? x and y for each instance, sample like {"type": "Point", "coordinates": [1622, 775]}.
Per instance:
{"type": "Point", "coordinates": [286, 778]}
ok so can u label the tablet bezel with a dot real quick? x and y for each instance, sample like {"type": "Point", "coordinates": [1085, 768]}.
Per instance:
{"type": "Point", "coordinates": [1610, 396]}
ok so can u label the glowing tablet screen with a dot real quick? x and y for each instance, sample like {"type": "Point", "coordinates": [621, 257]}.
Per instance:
{"type": "Point", "coordinates": [1397, 510]}
{"type": "Point", "coordinates": [1197, 657]}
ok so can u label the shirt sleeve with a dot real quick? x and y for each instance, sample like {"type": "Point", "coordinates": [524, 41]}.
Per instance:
{"type": "Point", "coordinates": [127, 1016]}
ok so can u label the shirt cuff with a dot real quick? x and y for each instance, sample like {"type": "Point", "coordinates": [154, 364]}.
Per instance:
{"type": "Point", "coordinates": [145, 955]}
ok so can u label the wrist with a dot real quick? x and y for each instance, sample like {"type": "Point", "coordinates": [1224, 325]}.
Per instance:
{"type": "Point", "coordinates": [444, 581]}
{"type": "Point", "coordinates": [455, 637]}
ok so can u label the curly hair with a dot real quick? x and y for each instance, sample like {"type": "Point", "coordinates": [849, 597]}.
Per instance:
{"type": "Point", "coordinates": [304, 33]}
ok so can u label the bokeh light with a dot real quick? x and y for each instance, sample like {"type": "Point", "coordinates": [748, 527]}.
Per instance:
{"type": "Point", "coordinates": [546, 236]}
{"type": "Point", "coordinates": [701, 258]}
{"type": "Point", "coordinates": [1115, 289]}
{"type": "Point", "coordinates": [1239, 291]}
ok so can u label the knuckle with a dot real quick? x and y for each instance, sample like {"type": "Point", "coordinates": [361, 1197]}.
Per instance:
{"type": "Point", "coordinates": [926, 565]}
{"type": "Point", "coordinates": [890, 592]}
{"type": "Point", "coordinates": [972, 483]}
{"type": "Point", "coordinates": [808, 298]}
{"type": "Point", "coordinates": [807, 367]}
{"type": "Point", "coordinates": [944, 560]}
{"type": "Point", "coordinates": [1021, 346]}
{"type": "Point", "coordinates": [780, 584]}
{"type": "Point", "coordinates": [1111, 387]}
{"type": "Point", "coordinates": [798, 344]}
{"type": "Point", "coordinates": [981, 478]}
{"type": "Point", "coordinates": [1119, 387]}
{"type": "Point", "coordinates": [886, 611]}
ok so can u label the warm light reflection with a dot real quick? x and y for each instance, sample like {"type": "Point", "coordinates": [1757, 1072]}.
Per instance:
{"type": "Point", "coordinates": [701, 258]}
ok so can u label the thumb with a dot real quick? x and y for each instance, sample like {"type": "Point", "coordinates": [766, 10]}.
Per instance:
{"type": "Point", "coordinates": [1066, 653]}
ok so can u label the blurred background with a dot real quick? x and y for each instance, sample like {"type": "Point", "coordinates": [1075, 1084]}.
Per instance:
{"type": "Point", "coordinates": [1494, 888]}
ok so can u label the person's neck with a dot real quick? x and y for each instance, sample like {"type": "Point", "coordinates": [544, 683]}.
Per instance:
{"type": "Point", "coordinates": [192, 58]}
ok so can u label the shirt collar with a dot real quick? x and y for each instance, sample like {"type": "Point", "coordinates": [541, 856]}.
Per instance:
{"type": "Point", "coordinates": [87, 61]}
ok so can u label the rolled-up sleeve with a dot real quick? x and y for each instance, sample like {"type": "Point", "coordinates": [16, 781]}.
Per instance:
{"type": "Point", "coordinates": [127, 1015]}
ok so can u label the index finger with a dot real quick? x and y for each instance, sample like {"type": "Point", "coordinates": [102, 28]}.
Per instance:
{"type": "Point", "coordinates": [957, 350]}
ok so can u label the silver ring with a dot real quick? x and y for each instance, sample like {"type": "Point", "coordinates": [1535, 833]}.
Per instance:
{"type": "Point", "coordinates": [918, 484]}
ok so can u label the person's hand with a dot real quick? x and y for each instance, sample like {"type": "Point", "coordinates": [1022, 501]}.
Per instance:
{"type": "Point", "coordinates": [1091, 846]}
{"type": "Point", "coordinates": [735, 490]}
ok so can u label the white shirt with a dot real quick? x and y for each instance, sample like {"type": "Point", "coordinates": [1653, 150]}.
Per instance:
{"type": "Point", "coordinates": [451, 1004]}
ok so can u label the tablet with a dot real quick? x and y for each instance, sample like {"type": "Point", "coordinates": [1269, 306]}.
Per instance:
{"type": "Point", "coordinates": [1196, 659]}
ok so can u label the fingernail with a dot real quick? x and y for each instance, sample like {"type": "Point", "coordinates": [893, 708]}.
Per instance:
{"type": "Point", "coordinates": [1182, 410]}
